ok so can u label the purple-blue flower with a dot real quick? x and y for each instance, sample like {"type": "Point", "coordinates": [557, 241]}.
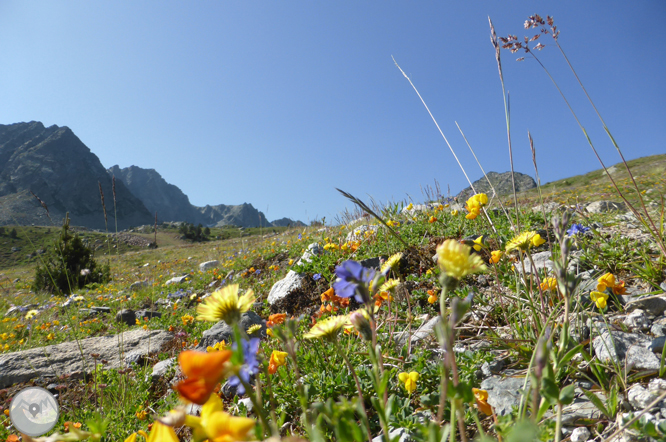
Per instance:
{"type": "Point", "coordinates": [250, 365]}
{"type": "Point", "coordinates": [576, 229]}
{"type": "Point", "coordinates": [300, 236]}
{"type": "Point", "coordinates": [316, 276]}
{"type": "Point", "coordinates": [350, 275]}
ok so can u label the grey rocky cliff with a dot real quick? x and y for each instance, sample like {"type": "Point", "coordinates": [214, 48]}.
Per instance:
{"type": "Point", "coordinates": [54, 163]}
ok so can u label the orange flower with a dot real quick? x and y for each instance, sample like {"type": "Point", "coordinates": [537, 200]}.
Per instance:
{"type": "Point", "coordinates": [276, 319]}
{"type": "Point", "coordinates": [278, 358]}
{"type": "Point", "coordinates": [203, 371]}
{"type": "Point", "coordinates": [481, 397]}
{"type": "Point", "coordinates": [432, 219]}
{"type": "Point", "coordinates": [432, 297]}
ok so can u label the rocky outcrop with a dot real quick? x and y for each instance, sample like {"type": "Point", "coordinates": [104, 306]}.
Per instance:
{"type": "Point", "coordinates": [501, 182]}
{"type": "Point", "coordinates": [171, 204]}
{"type": "Point", "coordinates": [53, 163]}
{"type": "Point", "coordinates": [160, 197]}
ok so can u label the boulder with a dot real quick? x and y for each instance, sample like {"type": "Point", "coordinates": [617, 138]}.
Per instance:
{"type": "Point", "coordinates": [222, 331]}
{"type": "Point", "coordinates": [161, 369]}
{"type": "Point", "coordinates": [503, 393]}
{"type": "Point", "coordinates": [138, 285]}
{"type": "Point", "coordinates": [605, 206]}
{"type": "Point", "coordinates": [56, 360]}
{"type": "Point", "coordinates": [178, 280]}
{"type": "Point", "coordinates": [652, 305]}
{"type": "Point", "coordinates": [285, 286]}
{"type": "Point", "coordinates": [209, 265]}
{"type": "Point", "coordinates": [127, 316]}
{"type": "Point", "coordinates": [630, 348]}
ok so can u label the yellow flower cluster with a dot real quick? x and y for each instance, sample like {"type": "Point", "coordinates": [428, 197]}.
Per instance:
{"type": "Point", "coordinates": [474, 204]}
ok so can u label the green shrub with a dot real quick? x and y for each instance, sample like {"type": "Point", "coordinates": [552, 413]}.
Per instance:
{"type": "Point", "coordinates": [68, 265]}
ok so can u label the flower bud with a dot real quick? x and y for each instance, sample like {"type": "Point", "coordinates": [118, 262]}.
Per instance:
{"type": "Point", "coordinates": [361, 324]}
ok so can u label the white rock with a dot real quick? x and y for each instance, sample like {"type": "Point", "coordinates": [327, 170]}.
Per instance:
{"type": "Point", "coordinates": [178, 279]}
{"type": "Point", "coordinates": [637, 321]}
{"type": "Point", "coordinates": [248, 403]}
{"type": "Point", "coordinates": [580, 434]}
{"type": "Point", "coordinates": [359, 233]}
{"type": "Point", "coordinates": [208, 265]}
{"type": "Point", "coordinates": [285, 286]}
{"type": "Point", "coordinates": [639, 397]}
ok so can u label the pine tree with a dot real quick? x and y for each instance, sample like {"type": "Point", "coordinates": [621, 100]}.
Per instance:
{"type": "Point", "coordinates": [69, 265]}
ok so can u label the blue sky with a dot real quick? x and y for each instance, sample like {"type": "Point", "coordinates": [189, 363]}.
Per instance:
{"type": "Point", "coordinates": [277, 103]}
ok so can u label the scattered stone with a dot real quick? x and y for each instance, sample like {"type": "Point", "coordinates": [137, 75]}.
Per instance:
{"type": "Point", "coordinates": [284, 287]}
{"type": "Point", "coordinates": [314, 249]}
{"type": "Point", "coordinates": [56, 360]}
{"type": "Point", "coordinates": [657, 344]}
{"type": "Point", "coordinates": [101, 310]}
{"type": "Point", "coordinates": [490, 368]}
{"type": "Point", "coordinates": [127, 316]}
{"type": "Point", "coordinates": [652, 305]}
{"type": "Point", "coordinates": [425, 330]}
{"type": "Point", "coordinates": [657, 330]}
{"type": "Point", "coordinates": [222, 331]}
{"type": "Point", "coordinates": [358, 233]}
{"type": "Point", "coordinates": [178, 279]}
{"type": "Point", "coordinates": [161, 369]}
{"type": "Point", "coordinates": [416, 208]}
{"type": "Point", "coordinates": [503, 393]}
{"type": "Point", "coordinates": [546, 207]}
{"type": "Point", "coordinates": [138, 285]}
{"type": "Point", "coordinates": [630, 348]}
{"type": "Point", "coordinates": [209, 265]}
{"type": "Point", "coordinates": [140, 314]}
{"type": "Point", "coordinates": [247, 403]}
{"type": "Point", "coordinates": [639, 397]}
{"type": "Point", "coordinates": [606, 206]}
{"type": "Point", "coordinates": [395, 435]}
{"type": "Point", "coordinates": [637, 321]}
{"type": "Point", "coordinates": [580, 434]}
{"type": "Point", "coordinates": [372, 263]}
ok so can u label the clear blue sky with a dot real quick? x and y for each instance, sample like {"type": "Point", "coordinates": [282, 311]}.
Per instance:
{"type": "Point", "coordinates": [276, 103]}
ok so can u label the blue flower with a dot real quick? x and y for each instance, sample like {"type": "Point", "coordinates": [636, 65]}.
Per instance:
{"type": "Point", "coordinates": [300, 237]}
{"type": "Point", "coordinates": [316, 276]}
{"type": "Point", "coordinates": [256, 272]}
{"type": "Point", "coordinates": [576, 229]}
{"type": "Point", "coordinates": [353, 280]}
{"type": "Point", "coordinates": [250, 365]}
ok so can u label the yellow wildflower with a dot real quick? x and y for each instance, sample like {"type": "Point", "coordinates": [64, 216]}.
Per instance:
{"type": "Point", "coordinates": [599, 298]}
{"type": "Point", "coordinates": [549, 284]}
{"type": "Point", "coordinates": [278, 358]}
{"type": "Point", "coordinates": [225, 305]}
{"type": "Point", "coordinates": [495, 256]}
{"type": "Point", "coordinates": [328, 328]}
{"type": "Point", "coordinates": [522, 242]}
{"type": "Point", "coordinates": [456, 261]}
{"type": "Point", "coordinates": [481, 398]}
{"type": "Point", "coordinates": [409, 379]}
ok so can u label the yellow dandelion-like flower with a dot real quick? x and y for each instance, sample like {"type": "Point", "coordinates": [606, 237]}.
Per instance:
{"type": "Point", "coordinates": [328, 328]}
{"type": "Point", "coordinates": [522, 242]}
{"type": "Point", "coordinates": [391, 263]}
{"type": "Point", "coordinates": [456, 261]}
{"type": "Point", "coordinates": [31, 314]}
{"type": "Point", "coordinates": [253, 329]}
{"type": "Point", "coordinates": [225, 305]}
{"type": "Point", "coordinates": [389, 285]}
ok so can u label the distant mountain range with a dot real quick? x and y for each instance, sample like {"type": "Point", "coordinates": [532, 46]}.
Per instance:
{"type": "Point", "coordinates": [54, 165]}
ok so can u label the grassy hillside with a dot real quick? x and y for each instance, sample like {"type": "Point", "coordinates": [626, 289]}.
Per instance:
{"type": "Point", "coordinates": [649, 173]}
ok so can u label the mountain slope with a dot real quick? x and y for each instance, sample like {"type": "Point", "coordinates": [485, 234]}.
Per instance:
{"type": "Point", "coordinates": [62, 171]}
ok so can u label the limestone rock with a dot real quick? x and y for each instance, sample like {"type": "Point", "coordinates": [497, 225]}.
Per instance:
{"type": "Point", "coordinates": [359, 232]}
{"type": "Point", "coordinates": [222, 331]}
{"type": "Point", "coordinates": [209, 265]}
{"type": "Point", "coordinates": [502, 183]}
{"type": "Point", "coordinates": [618, 347]}
{"type": "Point", "coordinates": [503, 393]}
{"type": "Point", "coordinates": [127, 316]}
{"type": "Point", "coordinates": [56, 360]}
{"type": "Point", "coordinates": [178, 279]}
{"type": "Point", "coordinates": [606, 206]}
{"type": "Point", "coordinates": [652, 305]}
{"type": "Point", "coordinates": [285, 286]}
